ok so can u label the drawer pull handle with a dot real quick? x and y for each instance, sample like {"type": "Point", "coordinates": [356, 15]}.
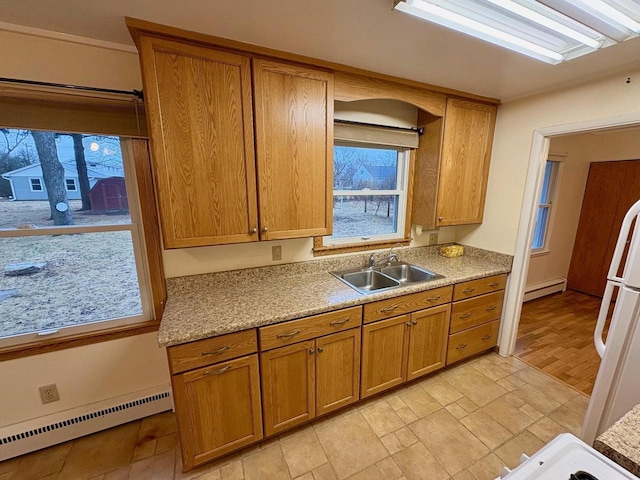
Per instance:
{"type": "Point", "coordinates": [487, 337]}
{"type": "Point", "coordinates": [389, 309]}
{"type": "Point", "coordinates": [465, 315]}
{"type": "Point", "coordinates": [339, 322]}
{"type": "Point", "coordinates": [491, 308]}
{"type": "Point", "coordinates": [218, 351]}
{"type": "Point", "coordinates": [218, 372]}
{"type": "Point", "coordinates": [433, 299]}
{"type": "Point", "coordinates": [493, 284]}
{"type": "Point", "coordinates": [468, 290]}
{"type": "Point", "coordinates": [289, 334]}
{"type": "Point", "coordinates": [462, 346]}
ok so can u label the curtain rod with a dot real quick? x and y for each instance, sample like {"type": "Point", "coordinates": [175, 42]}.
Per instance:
{"type": "Point", "coordinates": [136, 93]}
{"type": "Point", "coordinates": [417, 130]}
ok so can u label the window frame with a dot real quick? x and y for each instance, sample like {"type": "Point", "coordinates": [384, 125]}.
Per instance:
{"type": "Point", "coordinates": [75, 185]}
{"type": "Point", "coordinates": [552, 190]}
{"type": "Point", "coordinates": [39, 180]}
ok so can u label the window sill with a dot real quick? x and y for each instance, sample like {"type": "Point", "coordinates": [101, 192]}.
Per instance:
{"type": "Point", "coordinates": [320, 250]}
{"type": "Point", "coordinates": [540, 252]}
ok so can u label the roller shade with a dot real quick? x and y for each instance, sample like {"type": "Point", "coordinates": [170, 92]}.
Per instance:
{"type": "Point", "coordinates": [365, 135]}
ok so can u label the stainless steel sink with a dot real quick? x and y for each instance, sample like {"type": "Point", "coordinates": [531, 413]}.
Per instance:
{"type": "Point", "coordinates": [397, 274]}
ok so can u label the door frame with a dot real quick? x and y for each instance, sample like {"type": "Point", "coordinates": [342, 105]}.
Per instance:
{"type": "Point", "coordinates": [533, 186]}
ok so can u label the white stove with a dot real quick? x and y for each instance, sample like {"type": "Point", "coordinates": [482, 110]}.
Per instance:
{"type": "Point", "coordinates": [567, 458]}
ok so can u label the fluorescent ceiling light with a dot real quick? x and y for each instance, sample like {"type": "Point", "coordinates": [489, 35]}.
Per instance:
{"type": "Point", "coordinates": [612, 14]}
{"type": "Point", "coordinates": [546, 22]}
{"type": "Point", "coordinates": [447, 18]}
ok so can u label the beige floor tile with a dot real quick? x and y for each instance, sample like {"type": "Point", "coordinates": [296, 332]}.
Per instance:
{"type": "Point", "coordinates": [537, 398]}
{"type": "Point", "coordinates": [582, 400]}
{"type": "Point", "coordinates": [232, 470]}
{"type": "Point", "coordinates": [511, 382]}
{"type": "Point", "coordinates": [490, 432]}
{"type": "Point", "coordinates": [42, 463]}
{"type": "Point", "coordinates": [464, 475]}
{"type": "Point", "coordinates": [570, 418]}
{"type": "Point", "coordinates": [416, 463]}
{"type": "Point", "coordinates": [515, 362]}
{"type": "Point", "coordinates": [531, 412]}
{"type": "Point", "coordinates": [546, 429]}
{"type": "Point", "coordinates": [492, 370]}
{"type": "Point", "coordinates": [448, 441]}
{"type": "Point", "coordinates": [406, 436]}
{"type": "Point", "coordinates": [474, 385]}
{"type": "Point", "coordinates": [487, 468]}
{"type": "Point", "coordinates": [157, 426]}
{"type": "Point", "coordinates": [267, 464]}
{"type": "Point", "coordinates": [392, 443]}
{"type": "Point", "coordinates": [525, 442]}
{"type": "Point", "coordinates": [12, 464]}
{"type": "Point", "coordinates": [441, 390]}
{"type": "Point", "coordinates": [302, 451]}
{"type": "Point", "coordinates": [324, 472]}
{"type": "Point", "coordinates": [144, 449]}
{"type": "Point", "coordinates": [507, 415]}
{"type": "Point", "coordinates": [456, 410]}
{"type": "Point", "coordinates": [419, 401]}
{"type": "Point", "coordinates": [121, 473]}
{"type": "Point", "coordinates": [382, 418]}
{"type": "Point", "coordinates": [101, 452]}
{"type": "Point", "coordinates": [389, 469]}
{"type": "Point", "coordinates": [511, 399]}
{"type": "Point", "coordinates": [553, 388]}
{"type": "Point", "coordinates": [395, 401]}
{"type": "Point", "coordinates": [166, 443]}
{"type": "Point", "coordinates": [467, 405]}
{"type": "Point", "coordinates": [306, 476]}
{"type": "Point", "coordinates": [350, 444]}
{"type": "Point", "coordinates": [406, 415]}
{"type": "Point", "coordinates": [369, 473]}
{"type": "Point", "coordinates": [158, 467]}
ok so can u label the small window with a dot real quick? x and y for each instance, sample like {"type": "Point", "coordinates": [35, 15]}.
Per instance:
{"type": "Point", "coordinates": [36, 184]}
{"type": "Point", "coordinates": [546, 203]}
{"type": "Point", "coordinates": [70, 184]}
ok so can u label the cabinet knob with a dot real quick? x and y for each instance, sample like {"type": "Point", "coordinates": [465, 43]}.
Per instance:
{"type": "Point", "coordinates": [408, 324]}
{"type": "Point", "coordinates": [254, 230]}
{"type": "Point", "coordinates": [414, 322]}
{"type": "Point", "coordinates": [265, 229]}
{"type": "Point", "coordinates": [440, 219]}
{"type": "Point", "coordinates": [320, 349]}
{"type": "Point", "coordinates": [311, 351]}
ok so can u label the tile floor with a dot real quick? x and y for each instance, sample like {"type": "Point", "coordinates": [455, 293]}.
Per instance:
{"type": "Point", "coordinates": [464, 423]}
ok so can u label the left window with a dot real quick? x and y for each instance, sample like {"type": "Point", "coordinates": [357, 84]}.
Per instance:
{"type": "Point", "coordinates": [71, 244]}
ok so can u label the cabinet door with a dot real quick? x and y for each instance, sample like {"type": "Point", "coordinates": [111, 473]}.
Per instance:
{"type": "Point", "coordinates": [337, 370]}
{"type": "Point", "coordinates": [218, 409]}
{"type": "Point", "coordinates": [428, 341]}
{"type": "Point", "coordinates": [464, 168]}
{"type": "Point", "coordinates": [384, 354]}
{"type": "Point", "coordinates": [294, 140]}
{"type": "Point", "coordinates": [288, 386]}
{"type": "Point", "coordinates": [199, 107]}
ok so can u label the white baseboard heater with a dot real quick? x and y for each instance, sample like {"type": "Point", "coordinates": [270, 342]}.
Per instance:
{"type": "Point", "coordinates": [545, 288]}
{"type": "Point", "coordinates": [32, 435]}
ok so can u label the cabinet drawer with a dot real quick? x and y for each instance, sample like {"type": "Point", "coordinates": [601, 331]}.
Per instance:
{"type": "Point", "coordinates": [479, 287]}
{"type": "Point", "coordinates": [476, 311]}
{"type": "Point", "coordinates": [206, 352]}
{"type": "Point", "coordinates": [472, 341]}
{"type": "Point", "coordinates": [406, 303]}
{"type": "Point", "coordinates": [287, 333]}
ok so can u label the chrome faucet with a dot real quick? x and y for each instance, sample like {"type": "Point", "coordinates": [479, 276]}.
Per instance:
{"type": "Point", "coordinates": [391, 257]}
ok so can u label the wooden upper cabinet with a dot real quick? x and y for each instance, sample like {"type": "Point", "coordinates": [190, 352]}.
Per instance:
{"type": "Point", "coordinates": [464, 165]}
{"type": "Point", "coordinates": [294, 140]}
{"type": "Point", "coordinates": [199, 108]}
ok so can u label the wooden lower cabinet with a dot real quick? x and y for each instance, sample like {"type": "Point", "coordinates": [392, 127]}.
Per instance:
{"type": "Point", "coordinates": [472, 341]}
{"type": "Point", "coordinates": [308, 379]}
{"type": "Point", "coordinates": [428, 341]}
{"type": "Point", "coordinates": [200, 395]}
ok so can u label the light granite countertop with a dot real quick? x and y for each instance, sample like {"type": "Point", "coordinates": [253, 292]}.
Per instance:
{"type": "Point", "coordinates": [203, 306]}
{"type": "Point", "coordinates": [621, 442]}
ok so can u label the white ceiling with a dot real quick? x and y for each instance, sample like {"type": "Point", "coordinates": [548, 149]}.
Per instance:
{"type": "Point", "coordinates": [363, 33]}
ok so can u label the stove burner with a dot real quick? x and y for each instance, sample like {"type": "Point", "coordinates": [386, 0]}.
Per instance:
{"type": "Point", "coordinates": [580, 475]}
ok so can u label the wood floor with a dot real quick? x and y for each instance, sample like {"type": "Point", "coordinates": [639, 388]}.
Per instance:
{"type": "Point", "coordinates": [556, 336]}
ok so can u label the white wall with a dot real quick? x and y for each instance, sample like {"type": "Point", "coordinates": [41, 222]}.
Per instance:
{"type": "Point", "coordinates": [580, 151]}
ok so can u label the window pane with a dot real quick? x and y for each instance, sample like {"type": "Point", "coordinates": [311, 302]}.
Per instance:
{"type": "Point", "coordinates": [544, 196]}
{"type": "Point", "coordinates": [357, 168]}
{"type": "Point", "coordinates": [364, 216]}
{"type": "Point", "coordinates": [88, 168]}
{"type": "Point", "coordinates": [541, 227]}
{"type": "Point", "coordinates": [76, 279]}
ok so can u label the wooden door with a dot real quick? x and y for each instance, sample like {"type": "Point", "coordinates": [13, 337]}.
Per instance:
{"type": "Point", "coordinates": [428, 341]}
{"type": "Point", "coordinates": [384, 354]}
{"type": "Point", "coordinates": [612, 188]}
{"type": "Point", "coordinates": [288, 386]}
{"type": "Point", "coordinates": [294, 140]}
{"type": "Point", "coordinates": [337, 370]}
{"type": "Point", "coordinates": [218, 409]}
{"type": "Point", "coordinates": [464, 166]}
{"type": "Point", "coordinates": [199, 109]}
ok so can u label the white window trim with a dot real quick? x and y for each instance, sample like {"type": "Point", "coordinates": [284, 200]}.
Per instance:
{"type": "Point", "coordinates": [558, 160]}
{"type": "Point", "coordinates": [39, 183]}
{"type": "Point", "coordinates": [403, 174]}
{"type": "Point", "coordinates": [138, 244]}
{"type": "Point", "coordinates": [66, 185]}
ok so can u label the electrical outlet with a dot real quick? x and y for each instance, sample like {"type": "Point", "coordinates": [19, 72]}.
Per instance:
{"type": "Point", "coordinates": [276, 253]}
{"type": "Point", "coordinates": [49, 393]}
{"type": "Point", "coordinates": [433, 238]}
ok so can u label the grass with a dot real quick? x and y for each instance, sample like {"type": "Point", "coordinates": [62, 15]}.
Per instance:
{"type": "Point", "coordinates": [87, 278]}
{"type": "Point", "coordinates": [350, 219]}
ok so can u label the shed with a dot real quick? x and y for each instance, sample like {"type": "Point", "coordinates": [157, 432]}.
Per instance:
{"type": "Point", "coordinates": [109, 195]}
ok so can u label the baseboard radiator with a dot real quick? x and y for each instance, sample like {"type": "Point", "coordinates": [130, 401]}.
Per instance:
{"type": "Point", "coordinates": [61, 427]}
{"type": "Point", "coordinates": [545, 288]}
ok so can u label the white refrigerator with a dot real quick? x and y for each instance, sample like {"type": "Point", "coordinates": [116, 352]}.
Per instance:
{"type": "Point", "coordinates": [617, 387]}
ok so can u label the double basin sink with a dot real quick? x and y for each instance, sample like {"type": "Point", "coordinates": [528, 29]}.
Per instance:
{"type": "Point", "coordinates": [378, 279]}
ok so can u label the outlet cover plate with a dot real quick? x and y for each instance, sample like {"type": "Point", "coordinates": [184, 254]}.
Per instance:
{"type": "Point", "coordinates": [49, 393]}
{"type": "Point", "coordinates": [276, 253]}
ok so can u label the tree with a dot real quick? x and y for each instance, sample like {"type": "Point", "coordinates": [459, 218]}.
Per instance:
{"type": "Point", "coordinates": [53, 174]}
{"type": "Point", "coordinates": [81, 166]}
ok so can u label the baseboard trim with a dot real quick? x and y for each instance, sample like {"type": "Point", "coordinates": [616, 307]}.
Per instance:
{"type": "Point", "coordinates": [545, 288]}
